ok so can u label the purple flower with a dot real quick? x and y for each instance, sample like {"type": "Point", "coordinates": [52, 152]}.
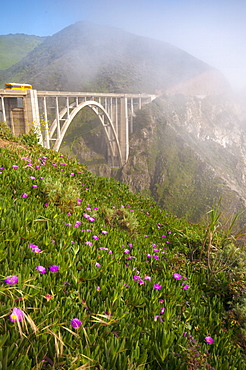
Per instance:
{"type": "Point", "coordinates": [162, 311]}
{"type": "Point", "coordinates": [41, 269]}
{"type": "Point", "coordinates": [147, 277]}
{"type": "Point", "coordinates": [89, 243]}
{"type": "Point", "coordinates": [24, 195]}
{"type": "Point", "coordinates": [177, 276]}
{"type": "Point", "coordinates": [126, 251]}
{"type": "Point", "coordinates": [209, 340]}
{"type": "Point", "coordinates": [141, 282]}
{"type": "Point", "coordinates": [11, 279]}
{"type": "Point", "coordinates": [76, 323]}
{"type": "Point", "coordinates": [98, 288]}
{"type": "Point", "coordinates": [15, 167]}
{"type": "Point", "coordinates": [104, 232]}
{"type": "Point", "coordinates": [37, 250]}
{"type": "Point", "coordinates": [17, 315]}
{"type": "Point", "coordinates": [97, 264]}
{"type": "Point", "coordinates": [34, 248]}
{"type": "Point", "coordinates": [136, 278]}
{"type": "Point", "coordinates": [157, 286]}
{"type": "Point", "coordinates": [32, 178]}
{"type": "Point", "coordinates": [35, 186]}
{"type": "Point", "coordinates": [95, 237]}
{"type": "Point", "coordinates": [54, 268]}
{"type": "Point", "coordinates": [186, 286]}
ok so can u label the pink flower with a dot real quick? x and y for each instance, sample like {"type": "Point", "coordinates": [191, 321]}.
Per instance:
{"type": "Point", "coordinates": [48, 297]}
{"type": "Point", "coordinates": [54, 268]}
{"type": "Point", "coordinates": [157, 286]}
{"type": "Point", "coordinates": [41, 269]}
{"type": "Point", "coordinates": [17, 315]}
{"type": "Point", "coordinates": [15, 166]}
{"type": "Point", "coordinates": [147, 277]}
{"type": "Point", "coordinates": [35, 248]}
{"type": "Point", "coordinates": [24, 195]}
{"type": "Point", "coordinates": [177, 276]}
{"type": "Point", "coordinates": [11, 279]}
{"type": "Point", "coordinates": [186, 286]}
{"type": "Point", "coordinates": [76, 323]}
{"type": "Point", "coordinates": [209, 340]}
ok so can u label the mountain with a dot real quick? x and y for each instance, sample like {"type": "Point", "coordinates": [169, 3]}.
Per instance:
{"type": "Point", "coordinates": [89, 57]}
{"type": "Point", "coordinates": [14, 47]}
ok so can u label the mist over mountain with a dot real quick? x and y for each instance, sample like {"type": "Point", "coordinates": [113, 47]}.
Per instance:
{"type": "Point", "coordinates": [89, 57]}
{"type": "Point", "coordinates": [188, 147]}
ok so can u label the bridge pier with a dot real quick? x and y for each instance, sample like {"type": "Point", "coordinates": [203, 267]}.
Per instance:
{"type": "Point", "coordinates": [19, 109]}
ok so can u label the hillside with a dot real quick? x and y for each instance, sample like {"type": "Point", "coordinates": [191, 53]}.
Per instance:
{"type": "Point", "coordinates": [89, 57]}
{"type": "Point", "coordinates": [14, 47]}
{"type": "Point", "coordinates": [93, 276]}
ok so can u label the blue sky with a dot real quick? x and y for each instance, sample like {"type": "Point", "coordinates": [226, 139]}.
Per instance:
{"type": "Point", "coordinates": [211, 30]}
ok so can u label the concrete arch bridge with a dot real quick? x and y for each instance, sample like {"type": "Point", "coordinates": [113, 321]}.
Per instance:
{"type": "Point", "coordinates": [23, 109]}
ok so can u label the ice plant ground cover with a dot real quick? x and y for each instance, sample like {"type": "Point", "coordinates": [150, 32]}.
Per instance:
{"type": "Point", "coordinates": [95, 277]}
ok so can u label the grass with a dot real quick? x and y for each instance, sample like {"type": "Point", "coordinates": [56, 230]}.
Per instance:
{"type": "Point", "coordinates": [136, 278]}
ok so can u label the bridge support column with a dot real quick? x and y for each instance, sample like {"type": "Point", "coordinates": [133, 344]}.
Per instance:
{"type": "Point", "coordinates": [31, 113]}
{"type": "Point", "coordinates": [124, 129]}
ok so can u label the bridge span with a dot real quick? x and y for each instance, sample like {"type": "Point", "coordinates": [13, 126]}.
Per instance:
{"type": "Point", "coordinates": [51, 113]}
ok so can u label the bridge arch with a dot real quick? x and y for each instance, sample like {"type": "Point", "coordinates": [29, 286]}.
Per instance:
{"type": "Point", "coordinates": [60, 126]}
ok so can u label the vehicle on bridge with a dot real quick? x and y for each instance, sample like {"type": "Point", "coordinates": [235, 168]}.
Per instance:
{"type": "Point", "coordinates": [16, 86]}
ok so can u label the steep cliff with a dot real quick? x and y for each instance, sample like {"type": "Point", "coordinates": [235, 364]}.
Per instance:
{"type": "Point", "coordinates": [188, 152]}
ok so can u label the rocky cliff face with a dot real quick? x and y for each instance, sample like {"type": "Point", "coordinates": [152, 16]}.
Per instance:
{"type": "Point", "coordinates": [188, 152]}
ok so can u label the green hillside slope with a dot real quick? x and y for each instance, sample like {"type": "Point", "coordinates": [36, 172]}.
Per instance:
{"type": "Point", "coordinates": [95, 277]}
{"type": "Point", "coordinates": [14, 47]}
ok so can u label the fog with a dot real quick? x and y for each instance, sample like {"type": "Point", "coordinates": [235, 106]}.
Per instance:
{"type": "Point", "coordinates": [212, 30]}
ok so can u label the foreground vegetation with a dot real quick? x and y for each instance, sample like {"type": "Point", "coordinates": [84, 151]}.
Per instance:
{"type": "Point", "coordinates": [94, 277]}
